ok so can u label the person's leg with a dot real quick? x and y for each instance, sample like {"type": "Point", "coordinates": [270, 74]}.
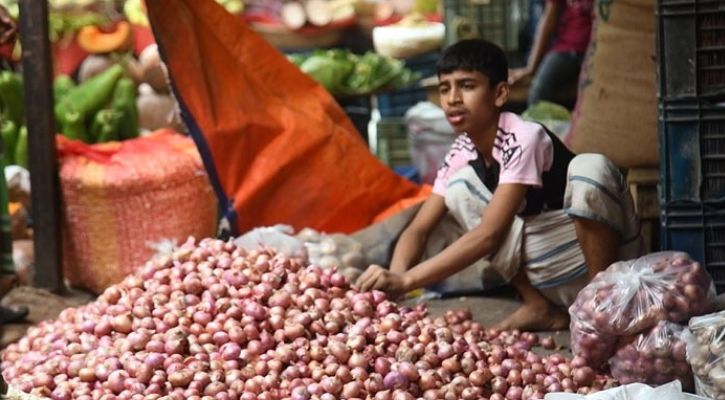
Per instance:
{"type": "Point", "coordinates": [599, 243]}
{"type": "Point", "coordinates": [598, 200]}
{"type": "Point", "coordinates": [556, 79]}
{"type": "Point", "coordinates": [536, 313]}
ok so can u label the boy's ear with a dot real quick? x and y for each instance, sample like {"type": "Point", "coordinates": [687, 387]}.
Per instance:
{"type": "Point", "coordinates": [502, 94]}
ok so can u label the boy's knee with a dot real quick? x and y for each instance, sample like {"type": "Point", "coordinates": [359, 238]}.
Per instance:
{"type": "Point", "coordinates": [583, 164]}
{"type": "Point", "coordinates": [596, 167]}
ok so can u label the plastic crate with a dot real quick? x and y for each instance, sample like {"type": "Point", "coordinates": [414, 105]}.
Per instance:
{"type": "Point", "coordinates": [692, 152]}
{"type": "Point", "coordinates": [393, 146]}
{"type": "Point", "coordinates": [499, 21]}
{"type": "Point", "coordinates": [408, 172]}
{"type": "Point", "coordinates": [698, 230]}
{"type": "Point", "coordinates": [691, 48]}
{"type": "Point", "coordinates": [397, 103]}
{"type": "Point", "coordinates": [424, 64]}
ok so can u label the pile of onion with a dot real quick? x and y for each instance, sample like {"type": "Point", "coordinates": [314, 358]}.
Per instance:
{"type": "Point", "coordinates": [212, 321]}
{"type": "Point", "coordinates": [631, 297]}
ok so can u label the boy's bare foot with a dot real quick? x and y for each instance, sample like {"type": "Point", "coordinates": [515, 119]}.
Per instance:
{"type": "Point", "coordinates": [535, 317]}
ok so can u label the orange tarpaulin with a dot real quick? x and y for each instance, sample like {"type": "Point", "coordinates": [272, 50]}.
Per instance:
{"type": "Point", "coordinates": [277, 146]}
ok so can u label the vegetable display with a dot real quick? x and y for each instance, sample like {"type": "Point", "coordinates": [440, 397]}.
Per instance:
{"type": "Point", "coordinates": [12, 119]}
{"type": "Point", "coordinates": [655, 357]}
{"type": "Point", "coordinates": [93, 40]}
{"type": "Point", "coordinates": [213, 320]}
{"type": "Point", "coordinates": [706, 353]}
{"type": "Point", "coordinates": [343, 73]}
{"type": "Point", "coordinates": [103, 107]}
{"type": "Point", "coordinates": [632, 296]}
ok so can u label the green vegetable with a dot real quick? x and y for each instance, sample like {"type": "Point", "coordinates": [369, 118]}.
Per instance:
{"type": "Point", "coordinates": [547, 111]}
{"type": "Point", "coordinates": [85, 100]}
{"type": "Point", "coordinates": [73, 126]}
{"type": "Point", "coordinates": [374, 72]}
{"type": "Point", "coordinates": [11, 97]}
{"type": "Point", "coordinates": [124, 103]}
{"type": "Point", "coordinates": [62, 85]}
{"type": "Point", "coordinates": [21, 148]}
{"type": "Point", "coordinates": [106, 125]}
{"type": "Point", "coordinates": [65, 17]}
{"type": "Point", "coordinates": [9, 133]}
{"type": "Point", "coordinates": [329, 69]}
{"type": "Point", "coordinates": [344, 73]}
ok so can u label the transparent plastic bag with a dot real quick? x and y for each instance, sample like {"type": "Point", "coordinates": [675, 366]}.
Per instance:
{"type": "Point", "coordinates": [332, 250]}
{"type": "Point", "coordinates": [705, 340]}
{"type": "Point", "coordinates": [632, 296]}
{"type": "Point", "coordinates": [278, 237]}
{"type": "Point", "coordinates": [431, 137]}
{"type": "Point", "coordinates": [587, 342]}
{"type": "Point", "coordinates": [654, 357]}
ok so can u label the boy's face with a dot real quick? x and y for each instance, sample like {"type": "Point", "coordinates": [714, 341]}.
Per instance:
{"type": "Point", "coordinates": [469, 101]}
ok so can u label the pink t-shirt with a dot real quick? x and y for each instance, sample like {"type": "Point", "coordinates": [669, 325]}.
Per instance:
{"type": "Point", "coordinates": [522, 149]}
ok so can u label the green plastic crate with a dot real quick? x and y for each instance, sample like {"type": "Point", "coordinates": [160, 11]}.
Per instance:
{"type": "Point", "coordinates": [498, 21]}
{"type": "Point", "coordinates": [393, 147]}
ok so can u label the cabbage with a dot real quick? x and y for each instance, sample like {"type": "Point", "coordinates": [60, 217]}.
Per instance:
{"type": "Point", "coordinates": [330, 72]}
{"type": "Point", "coordinates": [546, 111]}
{"type": "Point", "coordinates": [343, 73]}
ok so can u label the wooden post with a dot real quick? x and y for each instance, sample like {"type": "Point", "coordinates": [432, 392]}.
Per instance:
{"type": "Point", "coordinates": [43, 163]}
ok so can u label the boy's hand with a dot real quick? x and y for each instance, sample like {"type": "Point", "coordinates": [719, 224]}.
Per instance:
{"type": "Point", "coordinates": [378, 278]}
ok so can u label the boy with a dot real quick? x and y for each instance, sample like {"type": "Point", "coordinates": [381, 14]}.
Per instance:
{"type": "Point", "coordinates": [546, 220]}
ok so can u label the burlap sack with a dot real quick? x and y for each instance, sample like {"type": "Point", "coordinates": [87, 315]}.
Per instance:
{"type": "Point", "coordinates": [616, 111]}
{"type": "Point", "coordinates": [120, 199]}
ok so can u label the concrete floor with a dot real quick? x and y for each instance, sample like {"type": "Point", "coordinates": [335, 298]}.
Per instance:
{"type": "Point", "coordinates": [492, 309]}
{"type": "Point", "coordinates": [44, 305]}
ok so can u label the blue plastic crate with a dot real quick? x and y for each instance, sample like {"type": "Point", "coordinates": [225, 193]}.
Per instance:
{"type": "Point", "coordinates": [698, 230]}
{"type": "Point", "coordinates": [692, 152]}
{"type": "Point", "coordinates": [691, 48]}
{"type": "Point", "coordinates": [408, 172]}
{"type": "Point", "coordinates": [397, 103]}
{"type": "Point", "coordinates": [424, 64]}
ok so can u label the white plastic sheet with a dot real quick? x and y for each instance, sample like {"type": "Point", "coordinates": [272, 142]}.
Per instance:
{"type": "Point", "coordinates": [634, 391]}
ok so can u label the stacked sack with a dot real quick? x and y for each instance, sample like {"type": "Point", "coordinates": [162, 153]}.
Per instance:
{"type": "Point", "coordinates": [620, 317]}
{"type": "Point", "coordinates": [706, 353]}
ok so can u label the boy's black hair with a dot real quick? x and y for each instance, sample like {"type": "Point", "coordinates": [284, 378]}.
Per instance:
{"type": "Point", "coordinates": [475, 55]}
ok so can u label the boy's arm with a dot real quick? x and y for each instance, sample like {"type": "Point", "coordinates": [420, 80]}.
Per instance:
{"type": "Point", "coordinates": [412, 241]}
{"type": "Point", "coordinates": [485, 239]}
{"type": "Point", "coordinates": [482, 241]}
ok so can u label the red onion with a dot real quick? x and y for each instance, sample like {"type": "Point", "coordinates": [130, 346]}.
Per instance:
{"type": "Point", "coordinates": [382, 366]}
{"type": "Point", "coordinates": [395, 380]}
{"type": "Point", "coordinates": [255, 310]}
{"type": "Point", "coordinates": [548, 343]}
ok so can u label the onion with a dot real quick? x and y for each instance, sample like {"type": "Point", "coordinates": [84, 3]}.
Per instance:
{"type": "Point", "coordinates": [548, 343]}
{"type": "Point", "coordinates": [499, 385]}
{"type": "Point", "coordinates": [395, 380]}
